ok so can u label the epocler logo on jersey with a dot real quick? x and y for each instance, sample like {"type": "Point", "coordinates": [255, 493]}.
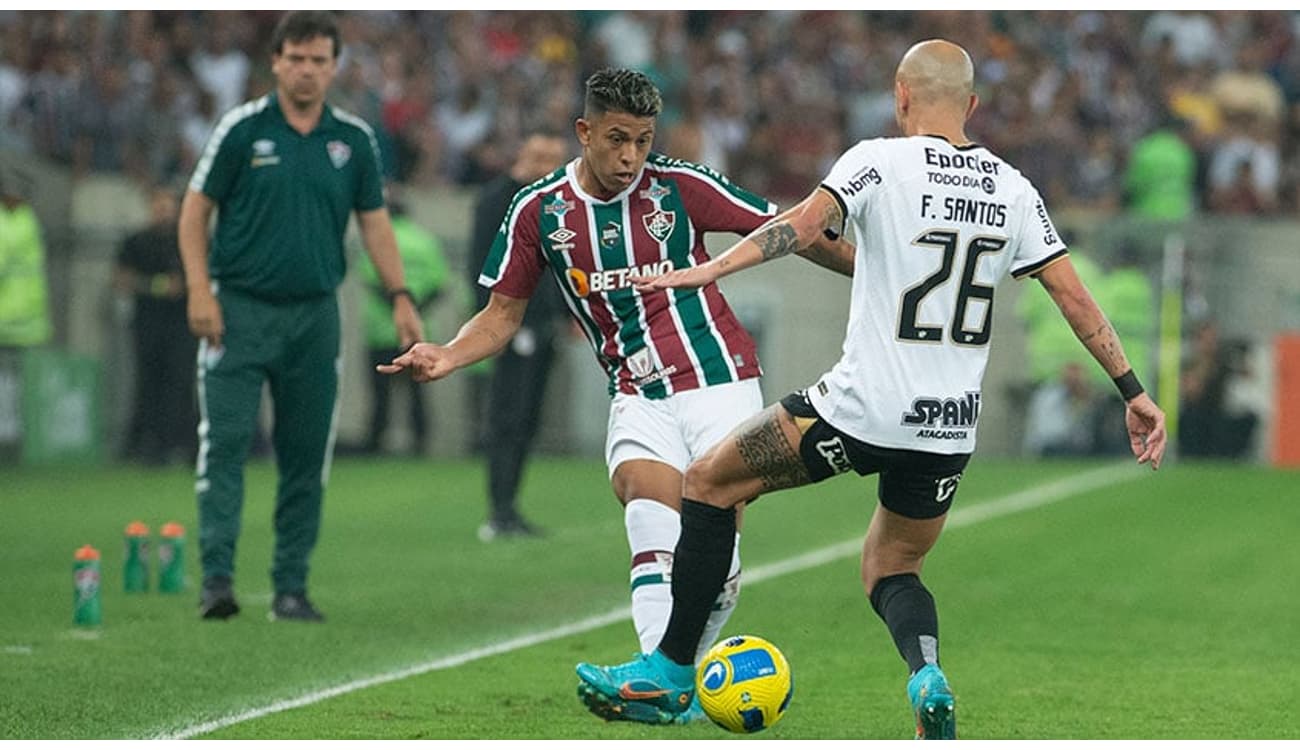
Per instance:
{"type": "Point", "coordinates": [583, 283]}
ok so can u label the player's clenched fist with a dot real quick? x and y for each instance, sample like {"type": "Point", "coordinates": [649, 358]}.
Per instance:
{"type": "Point", "coordinates": [424, 361]}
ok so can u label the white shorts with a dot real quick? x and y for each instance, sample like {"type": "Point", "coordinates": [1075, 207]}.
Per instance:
{"type": "Point", "coordinates": [678, 429]}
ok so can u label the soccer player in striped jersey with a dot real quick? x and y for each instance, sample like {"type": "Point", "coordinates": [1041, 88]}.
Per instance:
{"type": "Point", "coordinates": [682, 370]}
{"type": "Point", "coordinates": [938, 221]}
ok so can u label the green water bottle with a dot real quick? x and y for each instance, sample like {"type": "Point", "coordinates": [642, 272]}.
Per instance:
{"type": "Point", "coordinates": [171, 558]}
{"type": "Point", "coordinates": [135, 572]}
{"type": "Point", "coordinates": [85, 587]}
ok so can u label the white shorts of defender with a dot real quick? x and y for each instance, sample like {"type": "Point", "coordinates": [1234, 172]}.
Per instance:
{"type": "Point", "coordinates": [680, 428]}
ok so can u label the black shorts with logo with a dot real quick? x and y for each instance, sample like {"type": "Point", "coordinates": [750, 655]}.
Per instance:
{"type": "Point", "coordinates": [914, 484]}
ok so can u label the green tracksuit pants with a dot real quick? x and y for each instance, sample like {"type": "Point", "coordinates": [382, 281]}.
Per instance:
{"type": "Point", "coordinates": [293, 347]}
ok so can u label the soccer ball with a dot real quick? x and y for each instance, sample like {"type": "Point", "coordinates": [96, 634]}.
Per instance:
{"type": "Point", "coordinates": [744, 684]}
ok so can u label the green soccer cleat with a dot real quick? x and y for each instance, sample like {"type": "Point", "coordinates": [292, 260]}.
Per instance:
{"type": "Point", "coordinates": [933, 704]}
{"type": "Point", "coordinates": [616, 709]}
{"type": "Point", "coordinates": [650, 689]}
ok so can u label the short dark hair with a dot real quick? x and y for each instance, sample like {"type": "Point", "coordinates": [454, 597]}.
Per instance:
{"type": "Point", "coordinates": [622, 90]}
{"type": "Point", "coordinates": [302, 25]}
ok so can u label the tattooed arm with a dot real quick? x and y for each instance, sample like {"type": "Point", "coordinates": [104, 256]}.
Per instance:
{"type": "Point", "coordinates": [789, 232]}
{"type": "Point", "coordinates": [835, 255]}
{"type": "Point", "coordinates": [1085, 317]}
{"type": "Point", "coordinates": [1143, 419]}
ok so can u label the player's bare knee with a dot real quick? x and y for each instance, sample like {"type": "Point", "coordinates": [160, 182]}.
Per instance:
{"type": "Point", "coordinates": [878, 564]}
{"type": "Point", "coordinates": [703, 484]}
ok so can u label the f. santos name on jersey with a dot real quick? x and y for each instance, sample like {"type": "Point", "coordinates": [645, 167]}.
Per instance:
{"type": "Point", "coordinates": [596, 282]}
{"type": "Point", "coordinates": [954, 208]}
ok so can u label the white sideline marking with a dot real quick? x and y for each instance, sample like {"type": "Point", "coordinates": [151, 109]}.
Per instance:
{"type": "Point", "coordinates": [1033, 497]}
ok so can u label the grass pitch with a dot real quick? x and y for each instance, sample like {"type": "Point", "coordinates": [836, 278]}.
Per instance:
{"type": "Point", "coordinates": [1161, 607]}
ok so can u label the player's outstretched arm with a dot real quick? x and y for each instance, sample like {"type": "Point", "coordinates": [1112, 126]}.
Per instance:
{"type": "Point", "coordinates": [789, 232]}
{"type": "Point", "coordinates": [832, 254]}
{"type": "Point", "coordinates": [483, 335]}
{"type": "Point", "coordinates": [1144, 420]}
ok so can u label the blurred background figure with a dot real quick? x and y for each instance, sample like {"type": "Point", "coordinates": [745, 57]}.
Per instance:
{"type": "Point", "coordinates": [520, 372]}
{"type": "Point", "coordinates": [148, 272]}
{"type": "Point", "coordinates": [1062, 416]}
{"type": "Point", "coordinates": [24, 305]}
{"type": "Point", "coordinates": [1211, 423]}
{"type": "Point", "coordinates": [426, 276]}
{"type": "Point", "coordinates": [1160, 182]}
{"type": "Point", "coordinates": [24, 294]}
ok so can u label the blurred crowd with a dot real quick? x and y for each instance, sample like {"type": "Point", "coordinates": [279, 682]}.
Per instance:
{"type": "Point", "coordinates": [1167, 112]}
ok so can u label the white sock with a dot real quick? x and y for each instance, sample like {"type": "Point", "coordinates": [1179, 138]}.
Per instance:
{"type": "Point", "coordinates": [652, 531]}
{"type": "Point", "coordinates": [725, 605]}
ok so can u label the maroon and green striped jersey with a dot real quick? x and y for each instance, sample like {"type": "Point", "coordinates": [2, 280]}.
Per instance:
{"type": "Point", "coordinates": [654, 344]}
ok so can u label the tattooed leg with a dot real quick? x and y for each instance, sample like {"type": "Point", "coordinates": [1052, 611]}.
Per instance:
{"type": "Point", "coordinates": [759, 456]}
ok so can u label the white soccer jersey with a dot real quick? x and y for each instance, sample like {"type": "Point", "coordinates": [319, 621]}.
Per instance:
{"type": "Point", "coordinates": [937, 226]}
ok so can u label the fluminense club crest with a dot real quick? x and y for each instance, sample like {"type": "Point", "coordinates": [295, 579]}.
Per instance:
{"type": "Point", "coordinates": [339, 153]}
{"type": "Point", "coordinates": [660, 224]}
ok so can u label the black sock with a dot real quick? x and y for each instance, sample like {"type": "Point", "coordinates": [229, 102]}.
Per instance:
{"type": "Point", "coordinates": [700, 566]}
{"type": "Point", "coordinates": [907, 608]}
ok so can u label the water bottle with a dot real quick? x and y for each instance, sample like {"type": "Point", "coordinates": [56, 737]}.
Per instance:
{"type": "Point", "coordinates": [135, 572]}
{"type": "Point", "coordinates": [85, 587]}
{"type": "Point", "coordinates": [171, 558]}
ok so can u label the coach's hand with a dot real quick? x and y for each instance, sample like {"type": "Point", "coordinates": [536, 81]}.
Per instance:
{"type": "Point", "coordinates": [424, 361]}
{"type": "Point", "coordinates": [1146, 430]}
{"type": "Point", "coordinates": [204, 313]}
{"type": "Point", "coordinates": [407, 321]}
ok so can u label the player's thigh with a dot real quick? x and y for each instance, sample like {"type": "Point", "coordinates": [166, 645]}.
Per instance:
{"type": "Point", "coordinates": [644, 450]}
{"type": "Point", "coordinates": [920, 485]}
{"type": "Point", "coordinates": [761, 455]}
{"type": "Point", "coordinates": [707, 415]}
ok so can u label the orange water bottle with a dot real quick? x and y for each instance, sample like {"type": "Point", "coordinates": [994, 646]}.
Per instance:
{"type": "Point", "coordinates": [135, 571]}
{"type": "Point", "coordinates": [171, 558]}
{"type": "Point", "coordinates": [85, 587]}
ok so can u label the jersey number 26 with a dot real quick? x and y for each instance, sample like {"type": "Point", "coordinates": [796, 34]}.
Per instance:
{"type": "Point", "coordinates": [909, 329]}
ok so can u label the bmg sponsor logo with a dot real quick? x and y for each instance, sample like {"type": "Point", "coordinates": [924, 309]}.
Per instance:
{"type": "Point", "coordinates": [859, 181]}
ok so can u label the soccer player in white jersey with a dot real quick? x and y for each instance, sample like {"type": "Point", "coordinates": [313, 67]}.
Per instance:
{"type": "Point", "coordinates": [938, 221]}
{"type": "Point", "coordinates": [682, 370]}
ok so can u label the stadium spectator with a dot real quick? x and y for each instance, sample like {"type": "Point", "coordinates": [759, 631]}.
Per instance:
{"type": "Point", "coordinates": [1161, 176]}
{"type": "Point", "coordinates": [425, 269]}
{"type": "Point", "coordinates": [682, 370]}
{"type": "Point", "coordinates": [1246, 167]}
{"type": "Point", "coordinates": [520, 373]}
{"type": "Point", "coordinates": [891, 404]}
{"type": "Point", "coordinates": [1209, 425]}
{"type": "Point", "coordinates": [1120, 65]}
{"type": "Point", "coordinates": [220, 67]}
{"type": "Point", "coordinates": [1193, 35]}
{"type": "Point", "coordinates": [1061, 417]}
{"type": "Point", "coordinates": [148, 271]}
{"type": "Point", "coordinates": [286, 170]}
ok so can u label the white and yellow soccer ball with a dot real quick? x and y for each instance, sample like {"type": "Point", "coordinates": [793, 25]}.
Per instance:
{"type": "Point", "coordinates": [744, 684]}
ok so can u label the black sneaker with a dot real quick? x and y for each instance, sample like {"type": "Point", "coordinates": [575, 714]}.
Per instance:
{"type": "Point", "coordinates": [294, 607]}
{"type": "Point", "coordinates": [217, 599]}
{"type": "Point", "coordinates": [510, 527]}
